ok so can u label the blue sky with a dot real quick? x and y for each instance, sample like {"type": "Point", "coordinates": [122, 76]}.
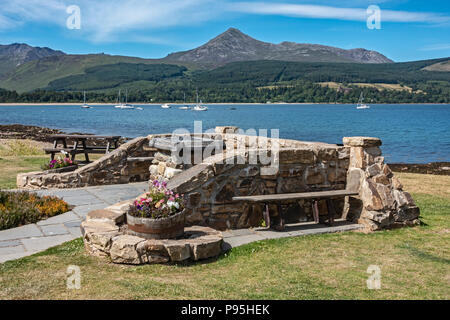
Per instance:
{"type": "Point", "coordinates": [410, 29]}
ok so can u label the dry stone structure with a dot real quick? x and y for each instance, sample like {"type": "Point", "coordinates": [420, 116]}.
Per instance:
{"type": "Point", "coordinates": [105, 235]}
{"type": "Point", "coordinates": [382, 202]}
{"type": "Point", "coordinates": [128, 163]}
{"type": "Point", "coordinates": [242, 169]}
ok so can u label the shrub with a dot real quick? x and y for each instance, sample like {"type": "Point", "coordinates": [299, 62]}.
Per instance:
{"type": "Point", "coordinates": [158, 203]}
{"type": "Point", "coordinates": [15, 147]}
{"type": "Point", "coordinates": [20, 208]}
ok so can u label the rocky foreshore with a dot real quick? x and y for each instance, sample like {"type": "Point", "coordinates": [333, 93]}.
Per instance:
{"type": "Point", "coordinates": [438, 168]}
{"type": "Point", "coordinates": [20, 131]}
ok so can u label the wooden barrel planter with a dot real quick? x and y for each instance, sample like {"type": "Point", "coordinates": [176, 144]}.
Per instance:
{"type": "Point", "coordinates": [164, 228]}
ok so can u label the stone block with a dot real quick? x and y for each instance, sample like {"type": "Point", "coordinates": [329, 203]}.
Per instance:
{"type": "Point", "coordinates": [387, 171]}
{"type": "Point", "coordinates": [407, 214]}
{"type": "Point", "coordinates": [403, 198]}
{"type": "Point", "coordinates": [365, 142]}
{"type": "Point", "coordinates": [373, 170]}
{"type": "Point", "coordinates": [370, 197]}
{"type": "Point", "coordinates": [396, 184]}
{"type": "Point", "coordinates": [124, 249]}
{"type": "Point", "coordinates": [208, 247]}
{"type": "Point", "coordinates": [357, 159]}
{"type": "Point", "coordinates": [381, 178]}
{"type": "Point", "coordinates": [169, 173]}
{"type": "Point", "coordinates": [177, 250]}
{"type": "Point", "coordinates": [304, 156]}
{"type": "Point", "coordinates": [386, 196]}
{"type": "Point", "coordinates": [116, 217]}
{"type": "Point", "coordinates": [226, 129]}
{"type": "Point", "coordinates": [373, 151]}
{"type": "Point", "coordinates": [314, 176]}
{"type": "Point", "coordinates": [249, 171]}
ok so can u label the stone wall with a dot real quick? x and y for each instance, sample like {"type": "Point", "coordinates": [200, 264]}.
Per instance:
{"type": "Point", "coordinates": [303, 166]}
{"type": "Point", "coordinates": [113, 168]}
{"type": "Point", "coordinates": [210, 186]}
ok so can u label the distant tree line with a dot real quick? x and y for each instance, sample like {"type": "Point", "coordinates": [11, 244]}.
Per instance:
{"type": "Point", "coordinates": [295, 92]}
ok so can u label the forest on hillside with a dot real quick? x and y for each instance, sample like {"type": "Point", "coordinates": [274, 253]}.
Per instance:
{"type": "Point", "coordinates": [251, 81]}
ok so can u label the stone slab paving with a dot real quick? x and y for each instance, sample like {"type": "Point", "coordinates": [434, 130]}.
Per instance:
{"type": "Point", "coordinates": [236, 238]}
{"type": "Point", "coordinates": [29, 239]}
{"type": "Point", "coordinates": [32, 238]}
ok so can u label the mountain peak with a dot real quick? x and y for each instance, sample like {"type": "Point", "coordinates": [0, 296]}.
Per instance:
{"type": "Point", "coordinates": [234, 45]}
{"type": "Point", "coordinates": [15, 54]}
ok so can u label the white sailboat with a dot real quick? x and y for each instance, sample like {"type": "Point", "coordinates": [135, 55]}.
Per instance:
{"type": "Point", "coordinates": [85, 106]}
{"type": "Point", "coordinates": [360, 104]}
{"type": "Point", "coordinates": [124, 105]}
{"type": "Point", "coordinates": [185, 106]}
{"type": "Point", "coordinates": [198, 106]}
{"type": "Point", "coordinates": [166, 106]}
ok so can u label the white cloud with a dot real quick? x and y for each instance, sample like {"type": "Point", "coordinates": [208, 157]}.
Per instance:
{"type": "Point", "coordinates": [330, 12]}
{"type": "Point", "coordinates": [436, 47]}
{"type": "Point", "coordinates": [111, 20]}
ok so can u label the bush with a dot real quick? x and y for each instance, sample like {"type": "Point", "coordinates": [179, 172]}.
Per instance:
{"type": "Point", "coordinates": [20, 208]}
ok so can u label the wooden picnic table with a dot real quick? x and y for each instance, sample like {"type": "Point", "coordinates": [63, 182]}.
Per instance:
{"type": "Point", "coordinates": [80, 145]}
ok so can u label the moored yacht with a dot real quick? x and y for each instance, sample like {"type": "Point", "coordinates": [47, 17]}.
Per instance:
{"type": "Point", "coordinates": [125, 105]}
{"type": "Point", "coordinates": [198, 106]}
{"type": "Point", "coordinates": [360, 104]}
{"type": "Point", "coordinates": [85, 106]}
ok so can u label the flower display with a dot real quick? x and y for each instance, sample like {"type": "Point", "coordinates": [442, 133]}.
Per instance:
{"type": "Point", "coordinates": [159, 202]}
{"type": "Point", "coordinates": [59, 162]}
{"type": "Point", "coordinates": [20, 208]}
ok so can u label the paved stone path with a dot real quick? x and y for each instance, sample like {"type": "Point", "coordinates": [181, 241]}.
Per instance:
{"type": "Point", "coordinates": [32, 238]}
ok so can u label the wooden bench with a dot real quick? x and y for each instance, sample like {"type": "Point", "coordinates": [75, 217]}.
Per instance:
{"type": "Point", "coordinates": [283, 197]}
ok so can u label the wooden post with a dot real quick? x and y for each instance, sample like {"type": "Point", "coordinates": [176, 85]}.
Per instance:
{"type": "Point", "coordinates": [280, 213]}
{"type": "Point", "coordinates": [331, 211]}
{"type": "Point", "coordinates": [86, 154]}
{"type": "Point", "coordinates": [266, 215]}
{"type": "Point", "coordinates": [315, 210]}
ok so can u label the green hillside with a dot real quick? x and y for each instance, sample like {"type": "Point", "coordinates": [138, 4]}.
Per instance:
{"type": "Point", "coordinates": [39, 73]}
{"type": "Point", "coordinates": [254, 73]}
{"type": "Point", "coordinates": [113, 75]}
{"type": "Point", "coordinates": [264, 72]}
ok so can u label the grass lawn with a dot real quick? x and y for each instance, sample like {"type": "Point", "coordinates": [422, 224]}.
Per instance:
{"type": "Point", "coordinates": [414, 262]}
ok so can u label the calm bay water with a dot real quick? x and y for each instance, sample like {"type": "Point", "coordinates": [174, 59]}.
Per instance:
{"type": "Point", "coordinates": [410, 133]}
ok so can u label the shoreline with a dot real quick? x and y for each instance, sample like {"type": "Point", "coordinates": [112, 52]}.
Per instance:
{"type": "Point", "coordinates": [42, 134]}
{"type": "Point", "coordinates": [15, 104]}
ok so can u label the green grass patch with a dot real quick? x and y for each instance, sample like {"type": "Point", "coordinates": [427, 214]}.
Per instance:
{"type": "Point", "coordinates": [414, 264]}
{"type": "Point", "coordinates": [11, 166]}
